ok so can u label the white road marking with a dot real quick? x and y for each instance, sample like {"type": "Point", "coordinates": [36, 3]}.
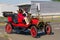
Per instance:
{"type": "Point", "coordinates": [56, 28]}
{"type": "Point", "coordinates": [9, 38]}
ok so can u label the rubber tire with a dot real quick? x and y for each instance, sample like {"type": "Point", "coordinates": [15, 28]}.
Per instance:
{"type": "Point", "coordinates": [8, 28]}
{"type": "Point", "coordinates": [4, 14]}
{"type": "Point", "coordinates": [34, 31]}
{"type": "Point", "coordinates": [48, 29]}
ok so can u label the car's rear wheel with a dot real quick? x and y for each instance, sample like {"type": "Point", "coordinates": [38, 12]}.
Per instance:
{"type": "Point", "coordinates": [8, 28]}
{"type": "Point", "coordinates": [48, 29]}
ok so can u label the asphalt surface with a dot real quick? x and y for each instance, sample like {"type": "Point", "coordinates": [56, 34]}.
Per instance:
{"type": "Point", "coordinates": [54, 36]}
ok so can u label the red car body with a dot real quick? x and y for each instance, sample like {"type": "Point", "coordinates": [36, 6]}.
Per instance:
{"type": "Point", "coordinates": [20, 23]}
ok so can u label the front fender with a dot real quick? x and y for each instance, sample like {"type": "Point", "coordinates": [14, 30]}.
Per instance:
{"type": "Point", "coordinates": [35, 21]}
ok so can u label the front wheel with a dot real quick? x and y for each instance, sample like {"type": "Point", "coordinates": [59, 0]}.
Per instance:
{"type": "Point", "coordinates": [48, 29]}
{"type": "Point", "coordinates": [34, 31]}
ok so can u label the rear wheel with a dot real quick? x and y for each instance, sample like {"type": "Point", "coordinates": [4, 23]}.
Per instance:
{"type": "Point", "coordinates": [34, 31]}
{"type": "Point", "coordinates": [48, 29]}
{"type": "Point", "coordinates": [8, 28]}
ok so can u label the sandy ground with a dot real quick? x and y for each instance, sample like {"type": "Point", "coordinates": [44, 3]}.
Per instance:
{"type": "Point", "coordinates": [55, 34]}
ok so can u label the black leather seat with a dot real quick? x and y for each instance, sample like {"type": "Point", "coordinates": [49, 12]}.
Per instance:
{"type": "Point", "coordinates": [14, 18]}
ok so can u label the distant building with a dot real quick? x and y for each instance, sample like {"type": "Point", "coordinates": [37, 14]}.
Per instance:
{"type": "Point", "coordinates": [46, 7]}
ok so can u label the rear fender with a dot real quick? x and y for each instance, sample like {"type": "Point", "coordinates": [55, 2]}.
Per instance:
{"type": "Point", "coordinates": [9, 19]}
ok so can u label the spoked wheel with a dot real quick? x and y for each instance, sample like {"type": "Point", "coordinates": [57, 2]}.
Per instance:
{"type": "Point", "coordinates": [48, 29]}
{"type": "Point", "coordinates": [34, 31]}
{"type": "Point", "coordinates": [8, 28]}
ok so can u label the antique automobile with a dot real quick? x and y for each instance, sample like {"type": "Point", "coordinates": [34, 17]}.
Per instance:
{"type": "Point", "coordinates": [34, 25]}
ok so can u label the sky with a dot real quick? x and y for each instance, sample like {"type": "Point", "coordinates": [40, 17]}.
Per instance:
{"type": "Point", "coordinates": [18, 1]}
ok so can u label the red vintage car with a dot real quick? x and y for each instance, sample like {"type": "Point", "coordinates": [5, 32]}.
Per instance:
{"type": "Point", "coordinates": [35, 25]}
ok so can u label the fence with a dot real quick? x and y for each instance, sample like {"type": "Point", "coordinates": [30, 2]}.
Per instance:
{"type": "Point", "coordinates": [3, 19]}
{"type": "Point", "coordinates": [50, 18]}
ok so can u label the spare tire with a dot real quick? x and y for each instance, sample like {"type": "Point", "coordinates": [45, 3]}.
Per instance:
{"type": "Point", "coordinates": [5, 14]}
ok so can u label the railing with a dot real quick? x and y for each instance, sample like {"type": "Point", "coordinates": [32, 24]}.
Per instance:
{"type": "Point", "coordinates": [3, 19]}
{"type": "Point", "coordinates": [51, 18]}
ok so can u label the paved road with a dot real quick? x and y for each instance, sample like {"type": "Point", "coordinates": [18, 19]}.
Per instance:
{"type": "Point", "coordinates": [54, 36]}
